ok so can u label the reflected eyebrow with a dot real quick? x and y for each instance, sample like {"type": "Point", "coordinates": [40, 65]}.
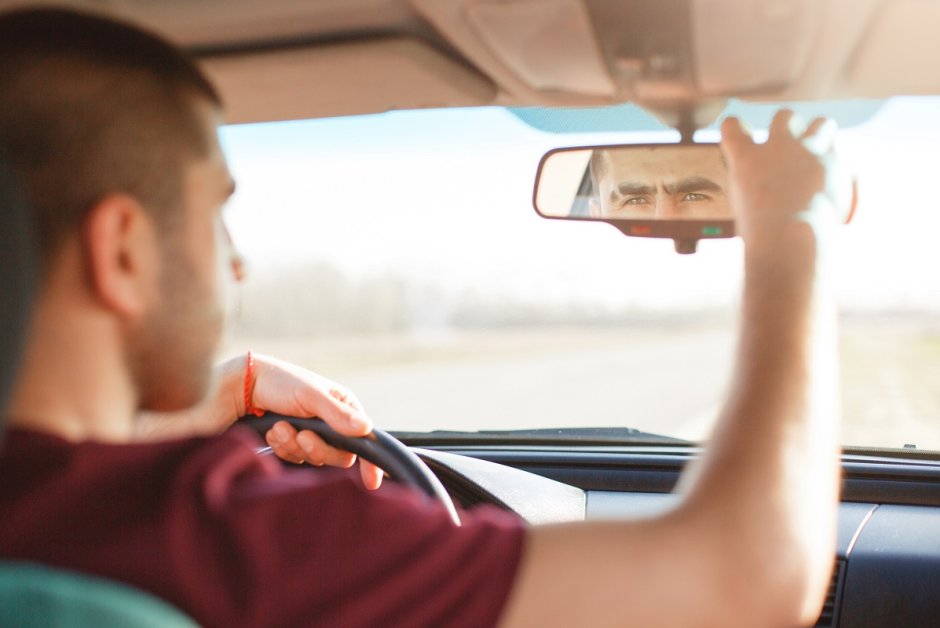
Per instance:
{"type": "Point", "coordinates": [629, 188]}
{"type": "Point", "coordinates": [693, 184]}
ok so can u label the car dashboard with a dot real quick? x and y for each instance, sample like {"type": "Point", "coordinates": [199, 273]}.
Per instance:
{"type": "Point", "coordinates": [887, 562]}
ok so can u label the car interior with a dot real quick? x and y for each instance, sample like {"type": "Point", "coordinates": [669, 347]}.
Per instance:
{"type": "Point", "coordinates": [671, 66]}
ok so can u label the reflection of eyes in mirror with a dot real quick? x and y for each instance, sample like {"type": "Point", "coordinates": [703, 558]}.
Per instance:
{"type": "Point", "coordinates": [636, 183]}
{"type": "Point", "coordinates": [662, 183]}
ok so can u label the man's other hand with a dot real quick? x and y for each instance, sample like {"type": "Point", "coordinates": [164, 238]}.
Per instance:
{"type": "Point", "coordinates": [279, 387]}
{"type": "Point", "coordinates": [288, 389]}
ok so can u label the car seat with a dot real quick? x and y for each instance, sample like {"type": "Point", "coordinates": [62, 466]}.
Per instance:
{"type": "Point", "coordinates": [36, 596]}
{"type": "Point", "coordinates": [18, 271]}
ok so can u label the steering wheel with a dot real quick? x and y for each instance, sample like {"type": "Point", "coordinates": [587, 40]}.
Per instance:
{"type": "Point", "coordinates": [380, 448]}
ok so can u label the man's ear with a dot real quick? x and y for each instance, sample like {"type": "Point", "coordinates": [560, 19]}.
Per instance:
{"type": "Point", "coordinates": [122, 251]}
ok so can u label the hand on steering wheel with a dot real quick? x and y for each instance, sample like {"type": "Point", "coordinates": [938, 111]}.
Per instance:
{"type": "Point", "coordinates": [378, 447]}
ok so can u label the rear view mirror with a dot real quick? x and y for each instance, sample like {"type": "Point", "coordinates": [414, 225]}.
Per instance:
{"type": "Point", "coordinates": [677, 191]}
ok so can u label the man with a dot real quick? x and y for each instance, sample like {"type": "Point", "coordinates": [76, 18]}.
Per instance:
{"type": "Point", "coordinates": [660, 183]}
{"type": "Point", "coordinates": [113, 137]}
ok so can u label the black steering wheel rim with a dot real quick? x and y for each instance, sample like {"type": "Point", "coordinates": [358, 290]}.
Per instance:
{"type": "Point", "coordinates": [380, 448]}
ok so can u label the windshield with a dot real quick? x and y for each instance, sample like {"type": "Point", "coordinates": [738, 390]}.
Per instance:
{"type": "Point", "coordinates": [400, 255]}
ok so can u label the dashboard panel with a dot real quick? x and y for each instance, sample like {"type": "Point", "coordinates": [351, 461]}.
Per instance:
{"type": "Point", "coordinates": [887, 563]}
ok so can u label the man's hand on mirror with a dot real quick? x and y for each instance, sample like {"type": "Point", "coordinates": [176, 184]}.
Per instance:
{"type": "Point", "coordinates": [790, 178]}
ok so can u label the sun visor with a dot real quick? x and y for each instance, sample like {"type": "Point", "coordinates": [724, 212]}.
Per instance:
{"type": "Point", "coordinates": [351, 78]}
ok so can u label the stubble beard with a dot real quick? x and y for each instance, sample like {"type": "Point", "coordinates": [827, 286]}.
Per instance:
{"type": "Point", "coordinates": [171, 351]}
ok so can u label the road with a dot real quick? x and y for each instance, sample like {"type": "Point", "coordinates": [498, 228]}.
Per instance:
{"type": "Point", "coordinates": [656, 381]}
{"type": "Point", "coordinates": [661, 379]}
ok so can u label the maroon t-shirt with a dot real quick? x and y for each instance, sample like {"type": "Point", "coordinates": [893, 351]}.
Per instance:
{"type": "Point", "coordinates": [234, 539]}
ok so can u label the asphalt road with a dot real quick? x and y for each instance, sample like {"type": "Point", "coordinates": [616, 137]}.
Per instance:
{"type": "Point", "coordinates": [657, 379]}
{"type": "Point", "coordinates": [670, 384]}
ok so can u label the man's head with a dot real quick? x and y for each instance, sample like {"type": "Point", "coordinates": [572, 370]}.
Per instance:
{"type": "Point", "coordinates": [664, 183]}
{"type": "Point", "coordinates": [111, 134]}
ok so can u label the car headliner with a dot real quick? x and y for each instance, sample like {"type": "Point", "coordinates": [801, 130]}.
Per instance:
{"type": "Point", "coordinates": [298, 59]}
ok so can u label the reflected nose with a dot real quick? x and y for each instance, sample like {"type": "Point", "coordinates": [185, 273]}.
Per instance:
{"type": "Point", "coordinates": [666, 206]}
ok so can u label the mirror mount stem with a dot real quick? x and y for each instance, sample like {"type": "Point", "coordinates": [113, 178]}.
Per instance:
{"type": "Point", "coordinates": [687, 126]}
{"type": "Point", "coordinates": [686, 247]}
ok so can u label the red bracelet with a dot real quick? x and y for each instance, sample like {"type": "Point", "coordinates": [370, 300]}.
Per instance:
{"type": "Point", "coordinates": [249, 384]}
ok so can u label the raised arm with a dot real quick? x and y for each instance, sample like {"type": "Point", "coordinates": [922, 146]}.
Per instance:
{"type": "Point", "coordinates": [753, 540]}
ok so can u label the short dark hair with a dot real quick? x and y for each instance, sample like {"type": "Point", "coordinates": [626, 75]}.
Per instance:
{"type": "Point", "coordinates": [89, 106]}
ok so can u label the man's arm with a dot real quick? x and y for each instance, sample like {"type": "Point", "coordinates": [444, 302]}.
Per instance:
{"type": "Point", "coordinates": [753, 540]}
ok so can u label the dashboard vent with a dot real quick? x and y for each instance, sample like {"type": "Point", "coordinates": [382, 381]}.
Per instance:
{"type": "Point", "coordinates": [830, 612]}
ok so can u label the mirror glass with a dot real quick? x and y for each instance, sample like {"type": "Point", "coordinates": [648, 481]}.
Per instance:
{"type": "Point", "coordinates": [659, 182]}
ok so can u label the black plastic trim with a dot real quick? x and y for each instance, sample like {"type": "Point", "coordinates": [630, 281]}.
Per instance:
{"type": "Point", "coordinates": [866, 479]}
{"type": "Point", "coordinates": [893, 572]}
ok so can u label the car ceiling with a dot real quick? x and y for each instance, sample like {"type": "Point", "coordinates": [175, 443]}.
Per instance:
{"type": "Point", "coordinates": [297, 59]}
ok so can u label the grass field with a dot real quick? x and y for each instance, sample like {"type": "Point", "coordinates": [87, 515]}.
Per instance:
{"type": "Point", "coordinates": [666, 379]}
{"type": "Point", "coordinates": [891, 382]}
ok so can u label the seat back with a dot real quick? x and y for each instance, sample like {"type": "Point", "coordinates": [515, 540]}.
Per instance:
{"type": "Point", "coordinates": [37, 596]}
{"type": "Point", "coordinates": [18, 273]}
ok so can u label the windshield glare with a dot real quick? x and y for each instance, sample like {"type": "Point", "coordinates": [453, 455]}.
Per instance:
{"type": "Point", "coordinates": [400, 255]}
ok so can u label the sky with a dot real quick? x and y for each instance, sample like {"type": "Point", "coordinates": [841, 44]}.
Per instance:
{"type": "Point", "coordinates": [445, 197]}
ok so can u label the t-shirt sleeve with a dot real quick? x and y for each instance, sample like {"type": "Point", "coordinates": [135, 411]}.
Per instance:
{"type": "Point", "coordinates": [302, 548]}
